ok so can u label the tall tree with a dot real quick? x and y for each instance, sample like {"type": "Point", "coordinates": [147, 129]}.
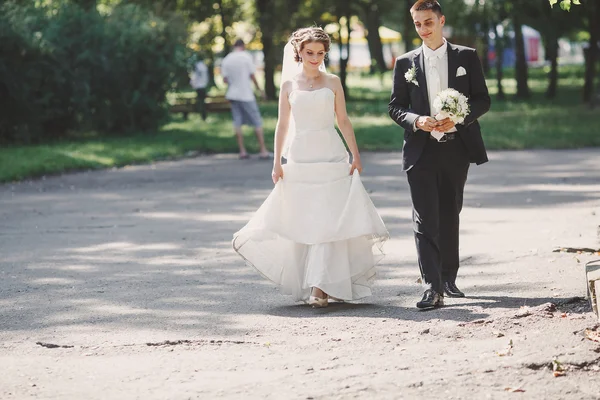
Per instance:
{"type": "Point", "coordinates": [267, 21]}
{"type": "Point", "coordinates": [341, 12]}
{"type": "Point", "coordinates": [208, 13]}
{"type": "Point", "coordinates": [593, 11]}
{"type": "Point", "coordinates": [552, 25]}
{"type": "Point", "coordinates": [274, 31]}
{"type": "Point", "coordinates": [226, 21]}
{"type": "Point", "coordinates": [499, 46]}
{"type": "Point", "coordinates": [498, 14]}
{"type": "Point", "coordinates": [372, 17]}
{"type": "Point", "coordinates": [408, 27]}
{"type": "Point", "coordinates": [344, 44]}
{"type": "Point", "coordinates": [538, 15]}
{"type": "Point", "coordinates": [521, 68]}
{"type": "Point", "coordinates": [86, 4]}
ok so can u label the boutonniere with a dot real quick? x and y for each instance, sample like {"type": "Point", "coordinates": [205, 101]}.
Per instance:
{"type": "Point", "coordinates": [411, 75]}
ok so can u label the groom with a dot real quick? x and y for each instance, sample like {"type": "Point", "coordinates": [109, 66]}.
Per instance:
{"type": "Point", "coordinates": [437, 170]}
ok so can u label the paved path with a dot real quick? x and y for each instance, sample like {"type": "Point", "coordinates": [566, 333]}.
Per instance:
{"type": "Point", "coordinates": [132, 271]}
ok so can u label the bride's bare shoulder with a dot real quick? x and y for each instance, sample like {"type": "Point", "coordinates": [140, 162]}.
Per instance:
{"type": "Point", "coordinates": [333, 81]}
{"type": "Point", "coordinates": [288, 86]}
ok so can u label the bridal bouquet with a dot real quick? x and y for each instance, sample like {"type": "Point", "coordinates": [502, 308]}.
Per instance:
{"type": "Point", "coordinates": [451, 104]}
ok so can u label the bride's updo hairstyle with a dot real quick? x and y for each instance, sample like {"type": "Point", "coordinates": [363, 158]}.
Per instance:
{"type": "Point", "coordinates": [308, 35]}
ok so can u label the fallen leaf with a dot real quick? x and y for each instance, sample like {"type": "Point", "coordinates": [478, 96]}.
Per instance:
{"type": "Point", "coordinates": [557, 368]}
{"type": "Point", "coordinates": [592, 335]}
{"type": "Point", "coordinates": [507, 351]}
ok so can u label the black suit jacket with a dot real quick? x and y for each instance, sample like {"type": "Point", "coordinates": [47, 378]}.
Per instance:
{"type": "Point", "coordinates": [409, 101]}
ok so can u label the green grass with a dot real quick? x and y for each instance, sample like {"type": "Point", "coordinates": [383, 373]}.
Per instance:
{"type": "Point", "coordinates": [536, 123]}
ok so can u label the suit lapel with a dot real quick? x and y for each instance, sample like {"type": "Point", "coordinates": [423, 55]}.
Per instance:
{"type": "Point", "coordinates": [419, 61]}
{"type": "Point", "coordinates": [452, 65]}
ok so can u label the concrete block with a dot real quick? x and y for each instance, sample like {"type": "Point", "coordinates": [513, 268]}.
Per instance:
{"type": "Point", "coordinates": [592, 273]}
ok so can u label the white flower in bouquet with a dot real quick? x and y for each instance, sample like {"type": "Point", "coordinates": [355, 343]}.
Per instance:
{"type": "Point", "coordinates": [451, 104]}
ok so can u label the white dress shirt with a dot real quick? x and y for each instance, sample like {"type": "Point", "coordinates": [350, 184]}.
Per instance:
{"type": "Point", "coordinates": [200, 76]}
{"type": "Point", "coordinates": [237, 67]}
{"type": "Point", "coordinates": [436, 73]}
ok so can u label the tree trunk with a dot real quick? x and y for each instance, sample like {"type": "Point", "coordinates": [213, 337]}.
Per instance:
{"type": "Point", "coordinates": [267, 20]}
{"type": "Point", "coordinates": [499, 45]}
{"type": "Point", "coordinates": [224, 25]}
{"type": "Point", "coordinates": [373, 38]}
{"type": "Point", "coordinates": [552, 52]}
{"type": "Point", "coordinates": [408, 26]}
{"type": "Point", "coordinates": [591, 56]}
{"type": "Point", "coordinates": [270, 63]}
{"type": "Point", "coordinates": [85, 4]}
{"type": "Point", "coordinates": [595, 99]}
{"type": "Point", "coordinates": [342, 45]}
{"type": "Point", "coordinates": [521, 61]}
{"type": "Point", "coordinates": [486, 48]}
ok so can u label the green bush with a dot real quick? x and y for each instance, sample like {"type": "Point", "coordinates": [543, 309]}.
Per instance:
{"type": "Point", "coordinates": [21, 74]}
{"type": "Point", "coordinates": [67, 69]}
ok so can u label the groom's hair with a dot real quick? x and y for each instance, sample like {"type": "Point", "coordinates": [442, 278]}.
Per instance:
{"type": "Point", "coordinates": [424, 5]}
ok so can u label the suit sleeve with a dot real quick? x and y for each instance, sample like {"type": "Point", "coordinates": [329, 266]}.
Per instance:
{"type": "Point", "coordinates": [398, 107]}
{"type": "Point", "coordinates": [479, 98]}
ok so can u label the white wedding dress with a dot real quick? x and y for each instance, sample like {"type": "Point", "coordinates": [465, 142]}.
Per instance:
{"type": "Point", "coordinates": [318, 227]}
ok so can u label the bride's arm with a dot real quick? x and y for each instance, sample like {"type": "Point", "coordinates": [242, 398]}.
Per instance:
{"type": "Point", "coordinates": [281, 130]}
{"type": "Point", "coordinates": [344, 123]}
{"type": "Point", "coordinates": [283, 120]}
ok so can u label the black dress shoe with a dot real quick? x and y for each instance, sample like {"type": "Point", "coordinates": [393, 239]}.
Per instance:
{"type": "Point", "coordinates": [431, 299]}
{"type": "Point", "coordinates": [452, 291]}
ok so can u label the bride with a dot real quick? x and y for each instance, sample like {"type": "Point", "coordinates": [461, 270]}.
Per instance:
{"type": "Point", "coordinates": [318, 234]}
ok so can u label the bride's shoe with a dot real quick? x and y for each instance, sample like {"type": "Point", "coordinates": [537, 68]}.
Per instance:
{"type": "Point", "coordinates": [318, 302]}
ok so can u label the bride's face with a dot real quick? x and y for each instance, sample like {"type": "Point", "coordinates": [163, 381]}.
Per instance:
{"type": "Point", "coordinates": [312, 55]}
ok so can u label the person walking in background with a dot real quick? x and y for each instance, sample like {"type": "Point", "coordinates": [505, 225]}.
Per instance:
{"type": "Point", "coordinates": [199, 81]}
{"type": "Point", "coordinates": [238, 71]}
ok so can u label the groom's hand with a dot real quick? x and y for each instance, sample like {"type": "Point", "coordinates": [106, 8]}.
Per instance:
{"type": "Point", "coordinates": [444, 125]}
{"type": "Point", "coordinates": [426, 123]}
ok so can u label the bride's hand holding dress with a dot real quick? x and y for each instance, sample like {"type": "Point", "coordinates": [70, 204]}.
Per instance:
{"type": "Point", "coordinates": [277, 172]}
{"type": "Point", "coordinates": [283, 122]}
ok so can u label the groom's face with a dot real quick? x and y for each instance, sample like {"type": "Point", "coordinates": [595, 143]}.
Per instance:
{"type": "Point", "coordinates": [429, 26]}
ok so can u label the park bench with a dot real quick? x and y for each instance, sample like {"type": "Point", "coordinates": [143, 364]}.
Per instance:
{"type": "Point", "coordinates": [186, 106]}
